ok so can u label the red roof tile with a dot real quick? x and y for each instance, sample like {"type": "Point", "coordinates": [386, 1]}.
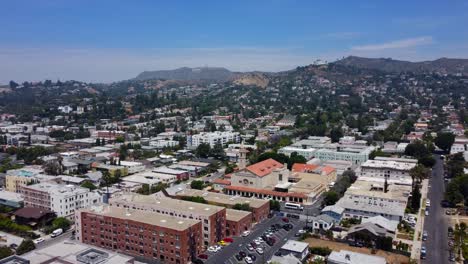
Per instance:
{"type": "Point", "coordinates": [328, 169]}
{"type": "Point", "coordinates": [300, 167]}
{"type": "Point", "coordinates": [264, 168]}
{"type": "Point", "coordinates": [222, 181]}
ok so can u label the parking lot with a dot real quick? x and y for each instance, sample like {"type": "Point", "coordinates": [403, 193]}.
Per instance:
{"type": "Point", "coordinates": [228, 253]}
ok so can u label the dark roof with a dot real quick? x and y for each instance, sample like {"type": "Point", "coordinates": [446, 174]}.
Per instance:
{"type": "Point", "coordinates": [31, 212]}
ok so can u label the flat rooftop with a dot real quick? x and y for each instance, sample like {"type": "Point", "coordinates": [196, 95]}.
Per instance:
{"type": "Point", "coordinates": [222, 198]}
{"type": "Point", "coordinates": [388, 164]}
{"type": "Point", "coordinates": [295, 246]}
{"type": "Point", "coordinates": [236, 215]}
{"type": "Point", "coordinates": [11, 196]}
{"type": "Point", "coordinates": [67, 251]}
{"type": "Point", "coordinates": [170, 204]}
{"type": "Point", "coordinates": [152, 218]}
{"type": "Point", "coordinates": [57, 188]}
{"type": "Point", "coordinates": [375, 189]}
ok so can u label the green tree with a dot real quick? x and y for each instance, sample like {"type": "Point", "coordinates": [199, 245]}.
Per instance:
{"type": "Point", "coordinates": [419, 173]}
{"type": "Point", "coordinates": [242, 207]}
{"type": "Point", "coordinates": [331, 197]}
{"type": "Point", "coordinates": [417, 149]}
{"type": "Point", "coordinates": [195, 199]}
{"type": "Point", "coordinates": [415, 199]}
{"type": "Point", "coordinates": [281, 158]}
{"type": "Point", "coordinates": [295, 158]}
{"type": "Point", "coordinates": [89, 185]}
{"type": "Point", "coordinates": [218, 152]}
{"type": "Point", "coordinates": [203, 150]}
{"type": "Point", "coordinates": [61, 222]}
{"type": "Point", "coordinates": [5, 252]}
{"type": "Point", "coordinates": [275, 205]}
{"type": "Point", "coordinates": [197, 185]}
{"type": "Point", "coordinates": [444, 141]}
{"type": "Point", "coordinates": [25, 246]}
{"type": "Point", "coordinates": [336, 133]}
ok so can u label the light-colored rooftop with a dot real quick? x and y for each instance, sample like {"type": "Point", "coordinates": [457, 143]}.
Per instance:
{"type": "Point", "coordinates": [375, 189]}
{"type": "Point", "coordinates": [58, 189]}
{"type": "Point", "coordinates": [153, 201]}
{"type": "Point", "coordinates": [146, 217]}
{"type": "Point", "coordinates": [68, 251]}
{"type": "Point", "coordinates": [236, 215]}
{"type": "Point", "coordinates": [388, 164]}
{"type": "Point", "coordinates": [11, 196]}
{"type": "Point", "coordinates": [167, 170]}
{"type": "Point", "coordinates": [295, 246]}
{"type": "Point", "coordinates": [223, 198]}
{"type": "Point", "coordinates": [350, 257]}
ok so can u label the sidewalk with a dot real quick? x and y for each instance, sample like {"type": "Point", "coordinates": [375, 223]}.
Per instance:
{"type": "Point", "coordinates": [419, 228]}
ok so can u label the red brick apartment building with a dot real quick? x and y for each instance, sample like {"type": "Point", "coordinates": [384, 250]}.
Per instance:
{"type": "Point", "coordinates": [213, 218]}
{"type": "Point", "coordinates": [147, 235]}
{"type": "Point", "coordinates": [237, 222]}
{"type": "Point", "coordinates": [260, 208]}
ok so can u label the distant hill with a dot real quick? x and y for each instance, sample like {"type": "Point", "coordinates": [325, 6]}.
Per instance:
{"type": "Point", "coordinates": [442, 65]}
{"type": "Point", "coordinates": [188, 74]}
{"type": "Point", "coordinates": [252, 79]}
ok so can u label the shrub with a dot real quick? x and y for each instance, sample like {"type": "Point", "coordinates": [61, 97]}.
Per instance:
{"type": "Point", "coordinates": [322, 251]}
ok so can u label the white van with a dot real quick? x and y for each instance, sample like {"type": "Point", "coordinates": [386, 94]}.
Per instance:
{"type": "Point", "coordinates": [57, 232]}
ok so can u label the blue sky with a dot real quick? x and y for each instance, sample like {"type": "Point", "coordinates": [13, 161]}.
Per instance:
{"type": "Point", "coordinates": [115, 40]}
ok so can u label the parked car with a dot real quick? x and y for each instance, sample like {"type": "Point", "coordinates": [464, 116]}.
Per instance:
{"type": "Point", "coordinates": [252, 257]}
{"type": "Point", "coordinates": [242, 254]}
{"type": "Point", "coordinates": [423, 252]}
{"type": "Point", "coordinates": [228, 240]}
{"type": "Point", "coordinates": [428, 203]}
{"type": "Point", "coordinates": [248, 260]}
{"type": "Point", "coordinates": [250, 248]}
{"type": "Point", "coordinates": [424, 236]}
{"type": "Point", "coordinates": [38, 240]}
{"type": "Point", "coordinates": [285, 219]}
{"type": "Point", "coordinates": [239, 258]}
{"type": "Point", "coordinates": [245, 233]}
{"type": "Point", "coordinates": [203, 256]}
{"type": "Point", "coordinates": [260, 251]}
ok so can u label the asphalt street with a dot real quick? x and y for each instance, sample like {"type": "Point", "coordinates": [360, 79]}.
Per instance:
{"type": "Point", "coordinates": [436, 223]}
{"type": "Point", "coordinates": [227, 254]}
{"type": "Point", "coordinates": [48, 240]}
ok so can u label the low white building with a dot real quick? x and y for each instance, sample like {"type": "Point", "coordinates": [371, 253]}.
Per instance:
{"type": "Point", "coordinates": [133, 166]}
{"type": "Point", "coordinates": [307, 153]}
{"type": "Point", "coordinates": [163, 143]}
{"type": "Point", "coordinates": [150, 178]}
{"type": "Point", "coordinates": [395, 171]}
{"type": "Point", "coordinates": [64, 200]}
{"type": "Point", "coordinates": [365, 199]}
{"type": "Point", "coordinates": [212, 138]}
{"type": "Point", "coordinates": [350, 257]}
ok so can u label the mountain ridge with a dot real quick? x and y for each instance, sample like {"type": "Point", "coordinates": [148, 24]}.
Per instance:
{"type": "Point", "coordinates": [442, 65]}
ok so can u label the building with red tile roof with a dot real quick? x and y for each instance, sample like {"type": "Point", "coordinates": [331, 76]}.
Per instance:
{"type": "Point", "coordinates": [265, 167]}
{"type": "Point", "coordinates": [261, 175]}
